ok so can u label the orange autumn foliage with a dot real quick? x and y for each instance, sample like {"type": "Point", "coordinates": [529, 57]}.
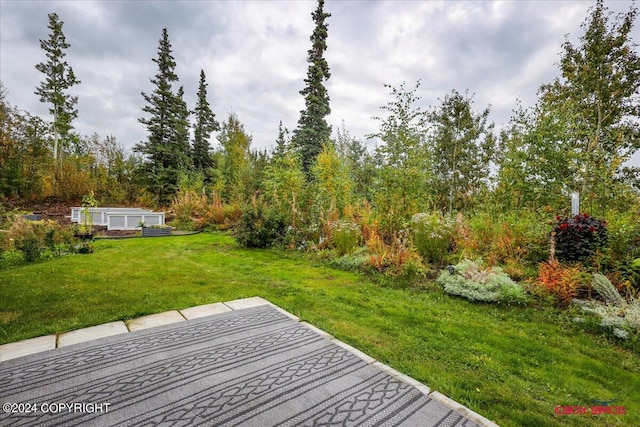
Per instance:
{"type": "Point", "coordinates": [563, 282]}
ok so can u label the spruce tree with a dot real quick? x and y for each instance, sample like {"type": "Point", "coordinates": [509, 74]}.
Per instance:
{"type": "Point", "coordinates": [313, 130]}
{"type": "Point", "coordinates": [180, 143]}
{"type": "Point", "coordinates": [205, 123]}
{"type": "Point", "coordinates": [282, 146]}
{"type": "Point", "coordinates": [166, 150]}
{"type": "Point", "coordinates": [59, 77]}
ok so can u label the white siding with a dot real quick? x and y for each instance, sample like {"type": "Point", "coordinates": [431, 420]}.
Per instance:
{"type": "Point", "coordinates": [131, 221]}
{"type": "Point", "coordinates": [115, 222]}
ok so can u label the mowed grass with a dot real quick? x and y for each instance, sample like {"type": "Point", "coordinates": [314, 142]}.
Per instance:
{"type": "Point", "coordinates": [513, 365]}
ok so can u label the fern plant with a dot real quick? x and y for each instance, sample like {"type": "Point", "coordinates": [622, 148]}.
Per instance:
{"type": "Point", "coordinates": [563, 282]}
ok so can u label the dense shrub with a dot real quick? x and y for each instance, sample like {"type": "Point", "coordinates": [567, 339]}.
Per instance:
{"type": "Point", "coordinates": [259, 226]}
{"type": "Point", "coordinates": [30, 246]}
{"type": "Point", "coordinates": [621, 259]}
{"type": "Point", "coordinates": [560, 281]}
{"type": "Point", "coordinates": [623, 231]}
{"type": "Point", "coordinates": [368, 221]}
{"type": "Point", "coordinates": [85, 248]}
{"type": "Point", "coordinates": [432, 236]}
{"type": "Point", "coordinates": [333, 184]}
{"type": "Point", "coordinates": [5, 243]}
{"type": "Point", "coordinates": [58, 239]}
{"type": "Point", "coordinates": [511, 238]}
{"type": "Point", "coordinates": [195, 210]}
{"type": "Point", "coordinates": [345, 236]}
{"type": "Point", "coordinates": [578, 237]}
{"type": "Point", "coordinates": [469, 279]}
{"type": "Point", "coordinates": [396, 259]}
{"type": "Point", "coordinates": [32, 238]}
{"type": "Point", "coordinates": [189, 209]}
{"type": "Point", "coordinates": [286, 190]}
{"type": "Point", "coordinates": [49, 240]}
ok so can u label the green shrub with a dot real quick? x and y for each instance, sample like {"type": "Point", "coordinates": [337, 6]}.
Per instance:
{"type": "Point", "coordinates": [619, 258]}
{"type": "Point", "coordinates": [623, 231]}
{"type": "Point", "coordinates": [4, 243]}
{"type": "Point", "coordinates": [27, 237]}
{"type": "Point", "coordinates": [345, 236]}
{"type": "Point", "coordinates": [579, 237]}
{"type": "Point", "coordinates": [67, 241]}
{"type": "Point", "coordinates": [30, 246]}
{"type": "Point", "coordinates": [33, 238]}
{"type": "Point", "coordinates": [49, 240]}
{"type": "Point", "coordinates": [516, 237]}
{"type": "Point", "coordinates": [470, 280]}
{"type": "Point", "coordinates": [259, 226]}
{"type": "Point", "coordinates": [432, 236]}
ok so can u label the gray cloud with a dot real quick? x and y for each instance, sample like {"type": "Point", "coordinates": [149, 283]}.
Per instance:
{"type": "Point", "coordinates": [254, 55]}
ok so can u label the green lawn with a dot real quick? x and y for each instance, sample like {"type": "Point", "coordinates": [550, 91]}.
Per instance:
{"type": "Point", "coordinates": [513, 365]}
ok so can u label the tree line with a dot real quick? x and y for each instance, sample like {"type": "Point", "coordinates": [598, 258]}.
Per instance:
{"type": "Point", "coordinates": [577, 137]}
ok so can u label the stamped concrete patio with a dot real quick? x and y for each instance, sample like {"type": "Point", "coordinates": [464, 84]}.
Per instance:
{"type": "Point", "coordinates": [239, 363]}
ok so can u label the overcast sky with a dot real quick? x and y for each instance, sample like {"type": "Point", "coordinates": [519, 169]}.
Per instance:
{"type": "Point", "coordinates": [254, 55]}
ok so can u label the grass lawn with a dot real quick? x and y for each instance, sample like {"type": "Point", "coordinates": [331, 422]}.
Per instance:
{"type": "Point", "coordinates": [513, 365]}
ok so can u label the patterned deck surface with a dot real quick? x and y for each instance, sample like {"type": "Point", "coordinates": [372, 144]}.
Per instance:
{"type": "Point", "coordinates": [250, 367]}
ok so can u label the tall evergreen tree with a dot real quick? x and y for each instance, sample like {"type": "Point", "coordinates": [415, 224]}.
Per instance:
{"type": "Point", "coordinates": [181, 131]}
{"type": "Point", "coordinates": [313, 130]}
{"type": "Point", "coordinates": [282, 145]}
{"type": "Point", "coordinates": [205, 124]}
{"type": "Point", "coordinates": [166, 149]}
{"type": "Point", "coordinates": [59, 77]}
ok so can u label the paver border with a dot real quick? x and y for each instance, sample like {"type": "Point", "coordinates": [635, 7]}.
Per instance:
{"type": "Point", "coordinates": [93, 332]}
{"type": "Point", "coordinates": [50, 342]}
{"type": "Point", "coordinates": [26, 347]}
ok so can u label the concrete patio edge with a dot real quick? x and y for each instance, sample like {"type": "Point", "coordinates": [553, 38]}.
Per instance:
{"type": "Point", "coordinates": [50, 342]}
